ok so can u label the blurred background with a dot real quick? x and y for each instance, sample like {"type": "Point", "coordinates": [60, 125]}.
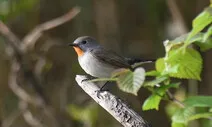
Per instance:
{"type": "Point", "coordinates": [133, 28]}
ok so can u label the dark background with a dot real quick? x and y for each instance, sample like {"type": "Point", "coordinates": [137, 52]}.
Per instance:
{"type": "Point", "coordinates": [133, 28]}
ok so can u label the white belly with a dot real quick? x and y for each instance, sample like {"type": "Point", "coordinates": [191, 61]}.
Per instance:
{"type": "Point", "coordinates": [95, 68]}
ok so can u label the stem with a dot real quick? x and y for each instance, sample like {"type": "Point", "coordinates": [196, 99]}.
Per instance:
{"type": "Point", "coordinates": [173, 99]}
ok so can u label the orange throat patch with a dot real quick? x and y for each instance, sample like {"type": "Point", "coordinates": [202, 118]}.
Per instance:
{"type": "Point", "coordinates": [78, 51]}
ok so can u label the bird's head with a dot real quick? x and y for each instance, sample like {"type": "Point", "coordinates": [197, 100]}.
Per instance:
{"type": "Point", "coordinates": [84, 44]}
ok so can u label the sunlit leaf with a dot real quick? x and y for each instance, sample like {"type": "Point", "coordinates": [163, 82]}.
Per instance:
{"type": "Point", "coordinates": [189, 63]}
{"type": "Point", "coordinates": [152, 102]}
{"type": "Point", "coordinates": [160, 66]}
{"type": "Point", "coordinates": [131, 82]}
{"type": "Point", "coordinates": [152, 73]}
{"type": "Point", "coordinates": [199, 23]}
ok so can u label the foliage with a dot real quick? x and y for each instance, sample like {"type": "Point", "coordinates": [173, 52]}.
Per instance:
{"type": "Point", "coordinates": [18, 7]}
{"type": "Point", "coordinates": [181, 61]}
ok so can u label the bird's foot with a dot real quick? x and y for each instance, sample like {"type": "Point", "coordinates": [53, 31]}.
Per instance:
{"type": "Point", "coordinates": [101, 90]}
{"type": "Point", "coordinates": [98, 93]}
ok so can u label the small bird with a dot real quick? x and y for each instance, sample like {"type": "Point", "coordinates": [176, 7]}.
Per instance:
{"type": "Point", "coordinates": [97, 61]}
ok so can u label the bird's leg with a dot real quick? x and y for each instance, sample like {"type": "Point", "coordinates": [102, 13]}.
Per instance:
{"type": "Point", "coordinates": [102, 88]}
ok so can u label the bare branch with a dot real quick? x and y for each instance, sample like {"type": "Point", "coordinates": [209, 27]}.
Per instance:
{"type": "Point", "coordinates": [21, 93]}
{"type": "Point", "coordinates": [29, 118]}
{"type": "Point", "coordinates": [32, 37]}
{"type": "Point", "coordinates": [13, 40]}
{"type": "Point", "coordinates": [16, 49]}
{"type": "Point", "coordinates": [115, 106]}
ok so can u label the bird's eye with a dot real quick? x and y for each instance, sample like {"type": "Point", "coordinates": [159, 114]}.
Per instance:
{"type": "Point", "coordinates": [84, 42]}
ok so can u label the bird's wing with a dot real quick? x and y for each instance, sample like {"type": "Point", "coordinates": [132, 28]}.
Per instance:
{"type": "Point", "coordinates": [110, 57]}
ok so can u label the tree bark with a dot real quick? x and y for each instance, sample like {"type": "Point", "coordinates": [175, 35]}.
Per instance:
{"type": "Point", "coordinates": [112, 104]}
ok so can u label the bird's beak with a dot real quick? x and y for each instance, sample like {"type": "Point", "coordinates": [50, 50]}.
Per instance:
{"type": "Point", "coordinates": [72, 44]}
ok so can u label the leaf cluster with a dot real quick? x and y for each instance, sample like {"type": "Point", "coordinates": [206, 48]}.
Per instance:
{"type": "Point", "coordinates": [181, 61]}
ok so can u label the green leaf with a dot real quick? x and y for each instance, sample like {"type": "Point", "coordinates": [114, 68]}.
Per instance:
{"type": "Point", "coordinates": [204, 45]}
{"type": "Point", "coordinates": [162, 89]}
{"type": "Point", "coordinates": [182, 38]}
{"type": "Point", "coordinates": [152, 102]}
{"type": "Point", "coordinates": [152, 73]}
{"type": "Point", "coordinates": [199, 23]}
{"type": "Point", "coordinates": [129, 81]}
{"type": "Point", "coordinates": [178, 42]}
{"type": "Point", "coordinates": [200, 115]}
{"type": "Point", "coordinates": [160, 66]}
{"type": "Point", "coordinates": [199, 101]}
{"type": "Point", "coordinates": [203, 40]}
{"type": "Point", "coordinates": [188, 64]}
{"type": "Point", "coordinates": [207, 34]}
{"type": "Point", "coordinates": [183, 115]}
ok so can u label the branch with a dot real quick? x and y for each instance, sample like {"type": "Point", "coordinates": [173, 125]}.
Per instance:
{"type": "Point", "coordinates": [16, 54]}
{"type": "Point", "coordinates": [17, 90]}
{"type": "Point", "coordinates": [112, 104]}
{"type": "Point", "coordinates": [18, 49]}
{"type": "Point", "coordinates": [28, 116]}
{"type": "Point", "coordinates": [30, 39]}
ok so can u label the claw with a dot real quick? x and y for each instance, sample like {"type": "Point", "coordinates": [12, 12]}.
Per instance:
{"type": "Point", "coordinates": [98, 93]}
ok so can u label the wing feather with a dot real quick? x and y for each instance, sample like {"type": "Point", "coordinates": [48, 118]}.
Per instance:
{"type": "Point", "coordinates": [110, 57]}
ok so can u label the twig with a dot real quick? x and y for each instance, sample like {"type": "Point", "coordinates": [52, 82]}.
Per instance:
{"type": "Point", "coordinates": [13, 40]}
{"type": "Point", "coordinates": [115, 106]}
{"type": "Point", "coordinates": [29, 118]}
{"type": "Point", "coordinates": [16, 53]}
{"type": "Point", "coordinates": [18, 49]}
{"type": "Point", "coordinates": [21, 93]}
{"type": "Point", "coordinates": [30, 39]}
{"type": "Point", "coordinates": [172, 98]}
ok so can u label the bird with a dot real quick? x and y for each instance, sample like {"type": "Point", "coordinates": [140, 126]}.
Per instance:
{"type": "Point", "coordinates": [98, 61]}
